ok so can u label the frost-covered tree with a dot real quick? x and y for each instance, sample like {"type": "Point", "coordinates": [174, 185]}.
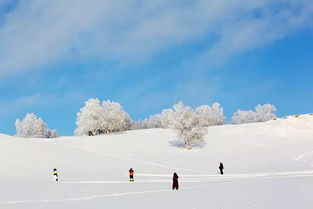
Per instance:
{"type": "Point", "coordinates": [137, 125]}
{"type": "Point", "coordinates": [114, 118]}
{"type": "Point", "coordinates": [241, 116]}
{"type": "Point", "coordinates": [33, 127]}
{"type": "Point", "coordinates": [154, 121]}
{"type": "Point", "coordinates": [94, 119]}
{"type": "Point", "coordinates": [187, 124]}
{"type": "Point", "coordinates": [265, 112]}
{"type": "Point", "coordinates": [262, 113]}
{"type": "Point", "coordinates": [210, 115]}
{"type": "Point", "coordinates": [51, 133]}
{"type": "Point", "coordinates": [89, 118]}
{"type": "Point", "coordinates": [166, 118]}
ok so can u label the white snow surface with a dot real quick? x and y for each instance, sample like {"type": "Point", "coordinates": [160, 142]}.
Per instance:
{"type": "Point", "coordinates": [267, 166]}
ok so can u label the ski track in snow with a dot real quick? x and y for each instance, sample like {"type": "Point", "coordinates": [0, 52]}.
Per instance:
{"type": "Point", "coordinates": [304, 158]}
{"type": "Point", "coordinates": [135, 160]}
{"type": "Point", "coordinates": [85, 198]}
{"type": "Point", "coordinates": [196, 178]}
{"type": "Point", "coordinates": [185, 178]}
{"type": "Point", "coordinates": [205, 178]}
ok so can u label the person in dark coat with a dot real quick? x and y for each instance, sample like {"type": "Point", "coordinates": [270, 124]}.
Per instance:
{"type": "Point", "coordinates": [131, 174]}
{"type": "Point", "coordinates": [175, 181]}
{"type": "Point", "coordinates": [221, 167]}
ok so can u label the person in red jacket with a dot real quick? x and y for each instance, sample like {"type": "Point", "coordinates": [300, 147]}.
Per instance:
{"type": "Point", "coordinates": [131, 174]}
{"type": "Point", "coordinates": [175, 181]}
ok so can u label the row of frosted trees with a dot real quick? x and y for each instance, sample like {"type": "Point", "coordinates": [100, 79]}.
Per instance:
{"type": "Point", "coordinates": [107, 117]}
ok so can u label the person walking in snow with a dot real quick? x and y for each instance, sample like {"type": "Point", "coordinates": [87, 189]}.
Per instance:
{"type": "Point", "coordinates": [221, 167]}
{"type": "Point", "coordinates": [55, 175]}
{"type": "Point", "coordinates": [131, 174]}
{"type": "Point", "coordinates": [175, 181]}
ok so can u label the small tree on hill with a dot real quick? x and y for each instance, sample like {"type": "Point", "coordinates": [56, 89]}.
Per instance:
{"type": "Point", "coordinates": [114, 118]}
{"type": "Point", "coordinates": [211, 115]}
{"type": "Point", "coordinates": [262, 113]}
{"type": "Point", "coordinates": [265, 112]}
{"type": "Point", "coordinates": [89, 118]}
{"type": "Point", "coordinates": [241, 116]}
{"type": "Point", "coordinates": [154, 121]}
{"type": "Point", "coordinates": [166, 118]}
{"type": "Point", "coordinates": [186, 122]}
{"type": "Point", "coordinates": [33, 127]}
{"type": "Point", "coordinates": [94, 119]}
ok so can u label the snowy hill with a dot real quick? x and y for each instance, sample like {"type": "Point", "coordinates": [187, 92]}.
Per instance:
{"type": "Point", "coordinates": [267, 165]}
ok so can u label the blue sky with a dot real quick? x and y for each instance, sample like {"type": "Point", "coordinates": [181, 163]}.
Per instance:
{"type": "Point", "coordinates": [148, 55]}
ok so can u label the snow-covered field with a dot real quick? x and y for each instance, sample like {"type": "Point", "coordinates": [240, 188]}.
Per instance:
{"type": "Point", "coordinates": [267, 166]}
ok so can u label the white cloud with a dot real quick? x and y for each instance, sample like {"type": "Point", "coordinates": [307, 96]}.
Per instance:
{"type": "Point", "coordinates": [37, 33]}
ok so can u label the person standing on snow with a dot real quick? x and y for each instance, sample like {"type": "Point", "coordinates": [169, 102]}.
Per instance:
{"type": "Point", "coordinates": [221, 167]}
{"type": "Point", "coordinates": [55, 175]}
{"type": "Point", "coordinates": [175, 181]}
{"type": "Point", "coordinates": [131, 174]}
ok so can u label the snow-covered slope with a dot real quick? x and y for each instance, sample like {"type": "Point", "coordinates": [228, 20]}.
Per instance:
{"type": "Point", "coordinates": [267, 165]}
